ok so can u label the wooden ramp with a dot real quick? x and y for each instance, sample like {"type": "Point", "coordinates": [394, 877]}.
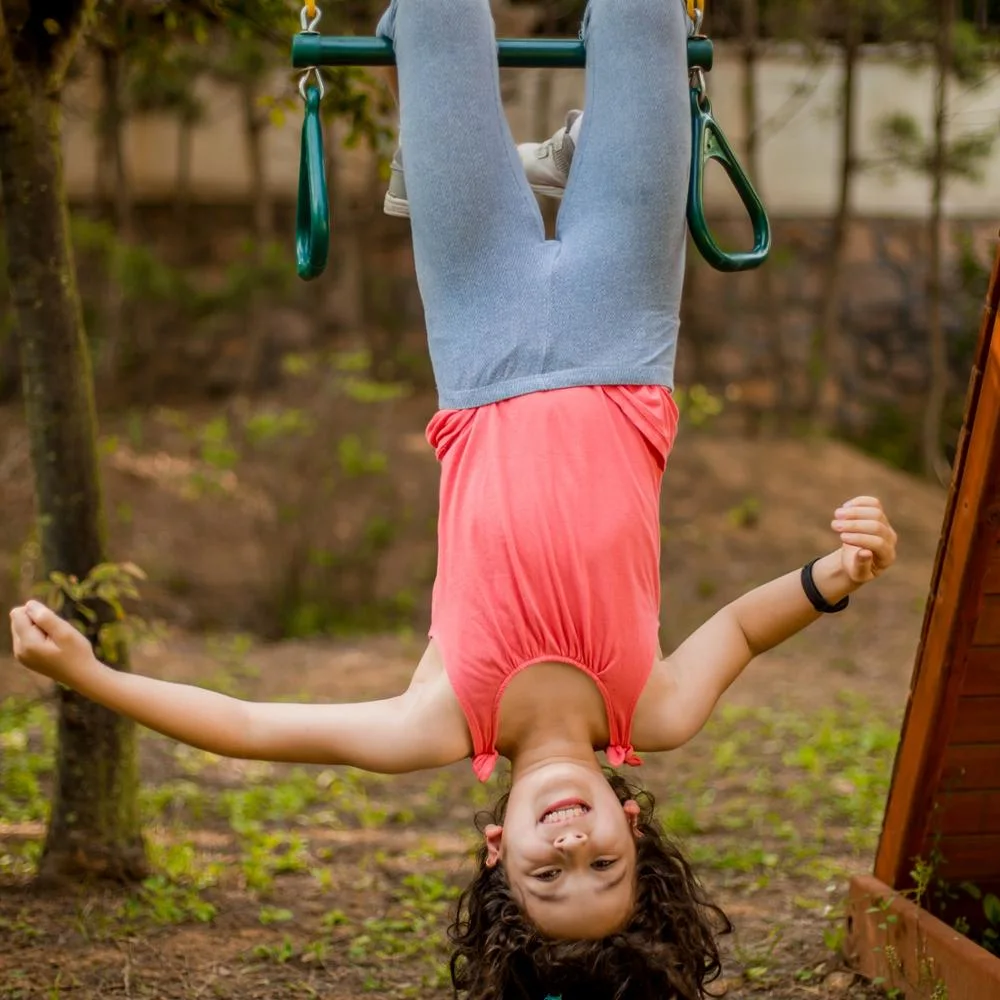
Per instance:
{"type": "Point", "coordinates": [944, 803]}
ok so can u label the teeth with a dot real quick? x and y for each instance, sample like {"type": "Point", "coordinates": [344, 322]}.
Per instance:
{"type": "Point", "coordinates": [561, 814]}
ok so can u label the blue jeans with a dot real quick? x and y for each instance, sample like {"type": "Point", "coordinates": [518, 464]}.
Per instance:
{"type": "Point", "coordinates": [507, 311]}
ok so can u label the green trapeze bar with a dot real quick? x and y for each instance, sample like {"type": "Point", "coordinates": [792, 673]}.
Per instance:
{"type": "Point", "coordinates": [312, 49]}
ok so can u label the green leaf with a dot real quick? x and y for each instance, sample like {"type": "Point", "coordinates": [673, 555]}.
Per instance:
{"type": "Point", "coordinates": [972, 889]}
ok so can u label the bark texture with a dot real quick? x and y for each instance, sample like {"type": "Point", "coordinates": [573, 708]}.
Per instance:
{"type": "Point", "coordinates": [935, 463]}
{"type": "Point", "coordinates": [94, 826]}
{"type": "Point", "coordinates": [828, 349]}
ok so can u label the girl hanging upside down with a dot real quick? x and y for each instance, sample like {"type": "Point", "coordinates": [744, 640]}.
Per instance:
{"type": "Point", "coordinates": [554, 365]}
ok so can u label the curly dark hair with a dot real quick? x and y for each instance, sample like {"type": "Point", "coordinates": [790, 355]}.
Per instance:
{"type": "Point", "coordinates": [667, 951]}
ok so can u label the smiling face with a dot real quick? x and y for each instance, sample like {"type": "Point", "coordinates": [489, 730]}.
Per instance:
{"type": "Point", "coordinates": [568, 851]}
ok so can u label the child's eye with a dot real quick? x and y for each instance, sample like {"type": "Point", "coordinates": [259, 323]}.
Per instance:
{"type": "Point", "coordinates": [546, 876]}
{"type": "Point", "coordinates": [603, 864]}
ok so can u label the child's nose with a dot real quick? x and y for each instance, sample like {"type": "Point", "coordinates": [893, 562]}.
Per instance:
{"type": "Point", "coordinates": [570, 840]}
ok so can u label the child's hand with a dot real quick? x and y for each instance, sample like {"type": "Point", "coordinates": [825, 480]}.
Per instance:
{"type": "Point", "coordinates": [47, 644]}
{"type": "Point", "coordinates": [867, 539]}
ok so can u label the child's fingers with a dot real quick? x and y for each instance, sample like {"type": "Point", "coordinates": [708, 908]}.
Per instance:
{"type": "Point", "coordinates": [45, 619]}
{"type": "Point", "coordinates": [15, 627]}
{"type": "Point", "coordinates": [863, 539]}
{"type": "Point", "coordinates": [863, 502]}
{"type": "Point", "coordinates": [861, 527]}
{"type": "Point", "coordinates": [25, 635]}
{"type": "Point", "coordinates": [20, 624]}
{"type": "Point", "coordinates": [875, 544]}
{"type": "Point", "coordinates": [860, 514]}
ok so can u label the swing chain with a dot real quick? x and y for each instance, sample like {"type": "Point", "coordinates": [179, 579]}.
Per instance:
{"type": "Point", "coordinates": [309, 18]}
{"type": "Point", "coordinates": [313, 72]}
{"type": "Point", "coordinates": [696, 12]}
{"type": "Point", "coordinates": [699, 86]}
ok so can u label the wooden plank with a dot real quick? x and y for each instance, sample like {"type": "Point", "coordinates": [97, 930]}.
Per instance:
{"type": "Point", "coordinates": [957, 904]}
{"type": "Point", "coordinates": [968, 768]}
{"type": "Point", "coordinates": [982, 671]}
{"type": "Point", "coordinates": [913, 952]}
{"type": "Point", "coordinates": [991, 582]}
{"type": "Point", "coordinates": [977, 720]}
{"type": "Point", "coordinates": [948, 621]}
{"type": "Point", "coordinates": [971, 812]}
{"type": "Point", "coordinates": [988, 624]}
{"type": "Point", "coordinates": [975, 856]}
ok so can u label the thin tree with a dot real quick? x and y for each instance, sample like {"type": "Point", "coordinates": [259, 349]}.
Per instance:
{"type": "Point", "coordinates": [164, 80]}
{"type": "Point", "coordinates": [827, 344]}
{"type": "Point", "coordinates": [762, 288]}
{"type": "Point", "coordinates": [112, 178]}
{"type": "Point", "coordinates": [960, 52]}
{"type": "Point", "coordinates": [934, 460]}
{"type": "Point", "coordinates": [94, 824]}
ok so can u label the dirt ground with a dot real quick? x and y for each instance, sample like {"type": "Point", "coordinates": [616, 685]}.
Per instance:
{"type": "Point", "coordinates": [309, 882]}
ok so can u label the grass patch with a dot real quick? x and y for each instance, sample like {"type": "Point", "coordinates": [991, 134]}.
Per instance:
{"type": "Point", "coordinates": [765, 802]}
{"type": "Point", "coordinates": [27, 754]}
{"type": "Point", "coordinates": [783, 791]}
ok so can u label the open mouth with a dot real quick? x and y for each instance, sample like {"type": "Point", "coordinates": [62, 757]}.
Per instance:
{"type": "Point", "coordinates": [560, 812]}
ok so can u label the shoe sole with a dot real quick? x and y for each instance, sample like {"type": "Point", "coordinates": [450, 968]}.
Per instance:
{"type": "Point", "coordinates": [399, 208]}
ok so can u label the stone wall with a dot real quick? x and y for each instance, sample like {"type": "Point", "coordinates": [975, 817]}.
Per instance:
{"type": "Point", "coordinates": [747, 336]}
{"type": "Point", "coordinates": [740, 328]}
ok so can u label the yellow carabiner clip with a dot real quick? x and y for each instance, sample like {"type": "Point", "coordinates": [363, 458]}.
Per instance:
{"type": "Point", "coordinates": [696, 10]}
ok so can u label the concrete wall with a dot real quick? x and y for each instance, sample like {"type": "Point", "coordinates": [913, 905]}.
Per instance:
{"type": "Point", "coordinates": [733, 335]}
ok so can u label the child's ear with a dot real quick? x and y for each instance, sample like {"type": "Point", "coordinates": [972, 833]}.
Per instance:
{"type": "Point", "coordinates": [493, 835]}
{"type": "Point", "coordinates": [631, 808]}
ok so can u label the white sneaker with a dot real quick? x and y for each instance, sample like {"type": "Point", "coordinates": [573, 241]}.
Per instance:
{"type": "Point", "coordinates": [546, 165]}
{"type": "Point", "coordinates": [395, 198]}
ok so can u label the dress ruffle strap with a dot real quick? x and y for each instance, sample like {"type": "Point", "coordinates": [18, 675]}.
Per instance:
{"type": "Point", "coordinates": [618, 755]}
{"type": "Point", "coordinates": [483, 764]}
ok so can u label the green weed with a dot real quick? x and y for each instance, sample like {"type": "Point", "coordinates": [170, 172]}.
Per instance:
{"type": "Point", "coordinates": [832, 767]}
{"type": "Point", "coordinates": [18, 928]}
{"type": "Point", "coordinates": [757, 959]}
{"type": "Point", "coordinates": [274, 915]}
{"type": "Point", "coordinates": [27, 747]}
{"type": "Point", "coordinates": [279, 954]}
{"type": "Point", "coordinates": [161, 901]}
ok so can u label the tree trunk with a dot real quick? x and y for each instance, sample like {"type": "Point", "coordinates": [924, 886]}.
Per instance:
{"type": "Point", "coordinates": [182, 175]}
{"type": "Point", "coordinates": [94, 826]}
{"type": "Point", "coordinates": [762, 287]}
{"type": "Point", "coordinates": [825, 368]}
{"type": "Point", "coordinates": [260, 204]}
{"type": "Point", "coordinates": [253, 128]}
{"type": "Point", "coordinates": [935, 463]}
{"type": "Point", "coordinates": [116, 203]}
{"type": "Point", "coordinates": [345, 288]}
{"type": "Point", "coordinates": [112, 126]}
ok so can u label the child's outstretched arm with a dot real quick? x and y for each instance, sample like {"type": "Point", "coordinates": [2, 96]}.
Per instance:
{"type": "Point", "coordinates": [416, 730]}
{"type": "Point", "coordinates": [707, 663]}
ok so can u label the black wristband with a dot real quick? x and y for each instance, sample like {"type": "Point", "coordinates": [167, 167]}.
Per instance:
{"type": "Point", "coordinates": [818, 601]}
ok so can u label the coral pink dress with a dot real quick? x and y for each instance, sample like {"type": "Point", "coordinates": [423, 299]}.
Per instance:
{"type": "Point", "coordinates": [549, 547]}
